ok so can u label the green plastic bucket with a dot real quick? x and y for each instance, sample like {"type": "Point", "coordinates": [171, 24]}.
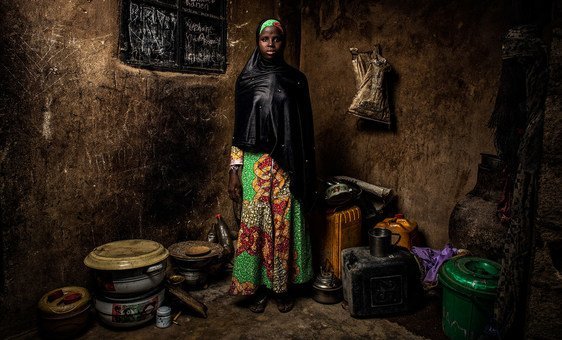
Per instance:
{"type": "Point", "coordinates": [469, 291]}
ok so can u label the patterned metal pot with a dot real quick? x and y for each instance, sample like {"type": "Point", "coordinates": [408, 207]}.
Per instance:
{"type": "Point", "coordinates": [125, 312]}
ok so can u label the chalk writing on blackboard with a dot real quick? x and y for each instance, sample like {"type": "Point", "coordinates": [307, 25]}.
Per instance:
{"type": "Point", "coordinates": [152, 34]}
{"type": "Point", "coordinates": [207, 6]}
{"type": "Point", "coordinates": [184, 35]}
{"type": "Point", "coordinates": [203, 42]}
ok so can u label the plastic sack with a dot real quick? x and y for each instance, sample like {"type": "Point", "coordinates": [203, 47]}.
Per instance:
{"type": "Point", "coordinates": [431, 260]}
{"type": "Point", "coordinates": [371, 100]}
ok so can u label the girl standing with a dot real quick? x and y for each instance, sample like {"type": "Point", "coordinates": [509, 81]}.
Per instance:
{"type": "Point", "coordinates": [272, 172]}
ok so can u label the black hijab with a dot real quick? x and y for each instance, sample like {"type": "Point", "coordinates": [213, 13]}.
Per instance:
{"type": "Point", "coordinates": [273, 115]}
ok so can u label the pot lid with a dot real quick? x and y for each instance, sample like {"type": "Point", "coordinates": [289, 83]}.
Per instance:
{"type": "Point", "coordinates": [471, 275]}
{"type": "Point", "coordinates": [63, 300]}
{"type": "Point", "coordinates": [327, 281]}
{"type": "Point", "coordinates": [184, 250]}
{"type": "Point", "coordinates": [126, 254]}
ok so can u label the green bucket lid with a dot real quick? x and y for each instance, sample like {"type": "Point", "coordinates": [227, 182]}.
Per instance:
{"type": "Point", "coordinates": [471, 276]}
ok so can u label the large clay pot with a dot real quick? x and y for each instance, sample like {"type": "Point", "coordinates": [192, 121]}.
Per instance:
{"type": "Point", "coordinates": [474, 222]}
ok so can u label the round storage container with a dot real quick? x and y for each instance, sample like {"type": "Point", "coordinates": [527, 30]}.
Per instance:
{"type": "Point", "coordinates": [128, 266]}
{"type": "Point", "coordinates": [469, 292]}
{"type": "Point", "coordinates": [64, 312]}
{"type": "Point", "coordinates": [126, 312]}
{"type": "Point", "coordinates": [163, 317]}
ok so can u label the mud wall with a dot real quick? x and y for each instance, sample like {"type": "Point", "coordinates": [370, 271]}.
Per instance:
{"type": "Point", "coordinates": [93, 151]}
{"type": "Point", "coordinates": [446, 62]}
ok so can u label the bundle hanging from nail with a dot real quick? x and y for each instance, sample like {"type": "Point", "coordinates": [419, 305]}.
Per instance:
{"type": "Point", "coordinates": [371, 100]}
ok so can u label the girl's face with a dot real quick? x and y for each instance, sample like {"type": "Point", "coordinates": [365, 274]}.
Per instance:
{"type": "Point", "coordinates": [271, 42]}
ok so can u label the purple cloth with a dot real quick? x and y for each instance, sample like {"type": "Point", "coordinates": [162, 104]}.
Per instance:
{"type": "Point", "coordinates": [432, 260]}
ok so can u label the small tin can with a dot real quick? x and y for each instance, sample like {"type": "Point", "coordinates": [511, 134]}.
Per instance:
{"type": "Point", "coordinates": [163, 317]}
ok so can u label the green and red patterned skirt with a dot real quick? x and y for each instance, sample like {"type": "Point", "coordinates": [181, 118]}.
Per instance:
{"type": "Point", "coordinates": [273, 243]}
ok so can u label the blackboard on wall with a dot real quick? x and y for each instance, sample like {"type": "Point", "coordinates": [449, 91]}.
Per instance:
{"type": "Point", "coordinates": [174, 35]}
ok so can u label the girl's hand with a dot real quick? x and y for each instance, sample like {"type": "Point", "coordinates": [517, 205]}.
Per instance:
{"type": "Point", "coordinates": [235, 186]}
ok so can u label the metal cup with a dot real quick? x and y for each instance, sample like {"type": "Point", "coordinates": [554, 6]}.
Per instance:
{"type": "Point", "coordinates": [380, 241]}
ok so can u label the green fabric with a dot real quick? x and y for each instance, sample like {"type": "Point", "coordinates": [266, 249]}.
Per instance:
{"type": "Point", "coordinates": [269, 23]}
{"type": "Point", "coordinates": [273, 244]}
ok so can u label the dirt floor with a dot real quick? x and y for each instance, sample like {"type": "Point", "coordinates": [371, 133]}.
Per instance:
{"type": "Point", "coordinates": [228, 318]}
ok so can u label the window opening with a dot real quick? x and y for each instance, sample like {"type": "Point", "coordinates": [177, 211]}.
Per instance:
{"type": "Point", "coordinates": [174, 35]}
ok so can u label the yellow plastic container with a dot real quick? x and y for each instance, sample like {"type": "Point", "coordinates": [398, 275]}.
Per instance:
{"type": "Point", "coordinates": [64, 312]}
{"type": "Point", "coordinates": [408, 230]}
{"type": "Point", "coordinates": [342, 230]}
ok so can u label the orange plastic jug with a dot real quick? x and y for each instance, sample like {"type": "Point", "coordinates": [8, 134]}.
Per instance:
{"type": "Point", "coordinates": [408, 230]}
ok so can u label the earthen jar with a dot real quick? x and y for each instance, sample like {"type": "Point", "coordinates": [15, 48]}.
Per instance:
{"type": "Point", "coordinates": [474, 223]}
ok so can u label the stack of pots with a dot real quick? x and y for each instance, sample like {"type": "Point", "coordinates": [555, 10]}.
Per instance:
{"type": "Point", "coordinates": [129, 276]}
{"type": "Point", "coordinates": [192, 266]}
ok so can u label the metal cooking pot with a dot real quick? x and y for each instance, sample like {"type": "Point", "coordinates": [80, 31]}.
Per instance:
{"type": "Point", "coordinates": [194, 278]}
{"type": "Point", "coordinates": [338, 194]}
{"type": "Point", "coordinates": [185, 262]}
{"type": "Point", "coordinates": [327, 288]}
{"type": "Point", "coordinates": [129, 312]}
{"type": "Point", "coordinates": [128, 266]}
{"type": "Point", "coordinates": [130, 281]}
{"type": "Point", "coordinates": [338, 191]}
